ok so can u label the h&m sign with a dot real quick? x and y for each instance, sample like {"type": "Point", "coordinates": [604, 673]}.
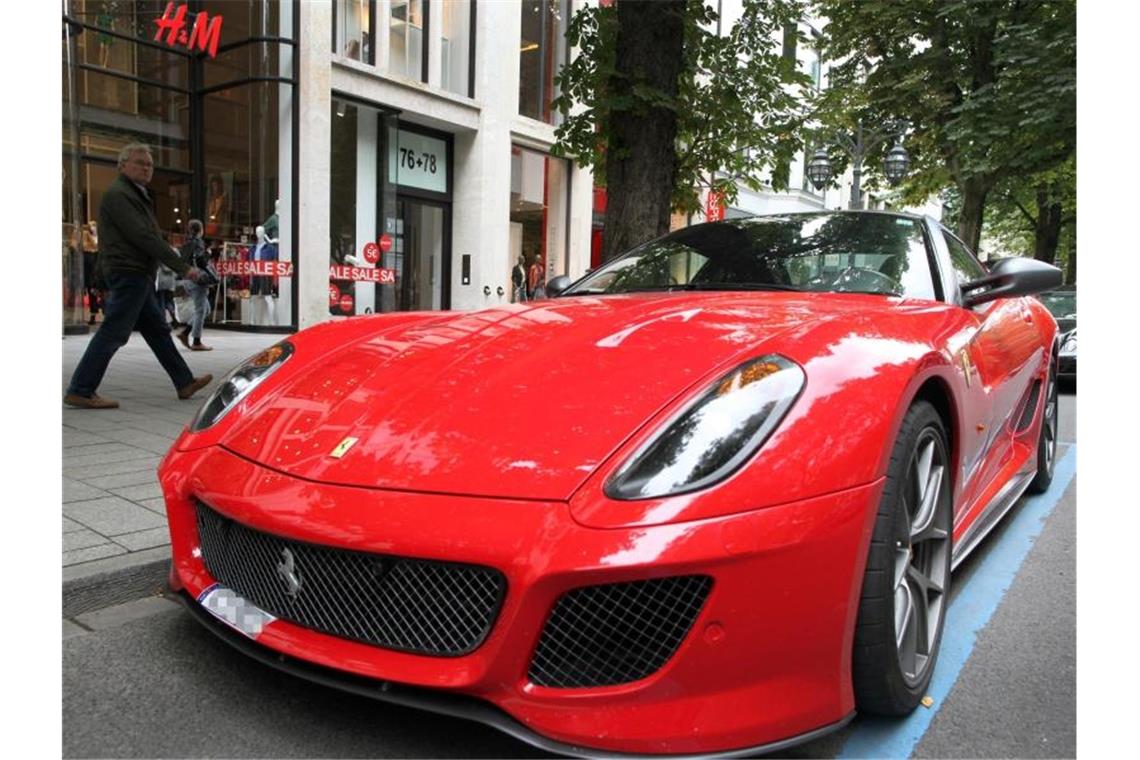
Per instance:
{"type": "Point", "coordinates": [204, 34]}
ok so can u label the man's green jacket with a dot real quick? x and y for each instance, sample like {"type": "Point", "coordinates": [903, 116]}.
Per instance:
{"type": "Point", "coordinates": [129, 238]}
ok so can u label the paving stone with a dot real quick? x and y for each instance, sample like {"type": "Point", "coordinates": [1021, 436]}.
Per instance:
{"type": "Point", "coordinates": [82, 539]}
{"type": "Point", "coordinates": [112, 516]}
{"type": "Point", "coordinates": [73, 490]}
{"type": "Point", "coordinates": [108, 446]}
{"type": "Point", "coordinates": [144, 539]}
{"type": "Point", "coordinates": [139, 492]}
{"type": "Point", "coordinates": [70, 526]}
{"type": "Point", "coordinates": [139, 438]}
{"type": "Point", "coordinates": [71, 629]}
{"type": "Point", "coordinates": [92, 553]}
{"type": "Point", "coordinates": [136, 478]}
{"type": "Point", "coordinates": [73, 437]}
{"type": "Point", "coordinates": [107, 458]}
{"type": "Point", "coordinates": [147, 464]}
{"type": "Point", "coordinates": [155, 505]}
{"type": "Point", "coordinates": [138, 609]}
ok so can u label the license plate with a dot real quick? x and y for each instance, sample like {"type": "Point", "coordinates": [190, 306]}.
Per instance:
{"type": "Point", "coordinates": [235, 610]}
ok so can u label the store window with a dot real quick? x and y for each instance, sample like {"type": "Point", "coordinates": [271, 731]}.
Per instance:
{"type": "Point", "coordinates": [542, 52]}
{"type": "Point", "coordinates": [407, 35]}
{"type": "Point", "coordinates": [222, 143]}
{"type": "Point", "coordinates": [352, 30]}
{"type": "Point", "coordinates": [456, 47]}
{"type": "Point", "coordinates": [538, 229]}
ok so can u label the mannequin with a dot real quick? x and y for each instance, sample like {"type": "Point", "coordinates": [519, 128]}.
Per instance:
{"type": "Point", "coordinates": [271, 224]}
{"type": "Point", "coordinates": [263, 304]}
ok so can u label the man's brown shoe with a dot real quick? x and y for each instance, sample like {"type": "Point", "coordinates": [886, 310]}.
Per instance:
{"type": "Point", "coordinates": [94, 402]}
{"type": "Point", "coordinates": [201, 347]}
{"type": "Point", "coordinates": [199, 383]}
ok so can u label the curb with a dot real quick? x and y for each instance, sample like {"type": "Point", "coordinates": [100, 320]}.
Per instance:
{"type": "Point", "coordinates": [94, 585]}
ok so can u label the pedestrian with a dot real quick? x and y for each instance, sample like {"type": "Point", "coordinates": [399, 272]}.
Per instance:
{"type": "Point", "coordinates": [130, 250]}
{"type": "Point", "coordinates": [91, 279]}
{"type": "Point", "coordinates": [518, 280]}
{"type": "Point", "coordinates": [164, 283]}
{"type": "Point", "coordinates": [535, 280]}
{"type": "Point", "coordinates": [194, 253]}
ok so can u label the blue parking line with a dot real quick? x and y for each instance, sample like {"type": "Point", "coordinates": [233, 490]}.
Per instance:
{"type": "Point", "coordinates": [969, 612]}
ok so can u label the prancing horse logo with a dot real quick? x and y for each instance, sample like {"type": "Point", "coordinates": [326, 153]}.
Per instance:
{"type": "Point", "coordinates": [288, 572]}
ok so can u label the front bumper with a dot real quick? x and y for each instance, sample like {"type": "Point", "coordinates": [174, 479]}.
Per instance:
{"type": "Point", "coordinates": [766, 661]}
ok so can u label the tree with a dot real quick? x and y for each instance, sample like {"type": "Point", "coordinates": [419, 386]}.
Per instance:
{"type": "Point", "coordinates": [988, 87]}
{"type": "Point", "coordinates": [660, 106]}
{"type": "Point", "coordinates": [1034, 214]}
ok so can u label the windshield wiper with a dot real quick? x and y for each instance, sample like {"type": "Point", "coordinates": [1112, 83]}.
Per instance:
{"type": "Point", "coordinates": [740, 286]}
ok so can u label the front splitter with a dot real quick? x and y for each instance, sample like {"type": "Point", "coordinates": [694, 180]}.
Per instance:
{"type": "Point", "coordinates": [445, 703]}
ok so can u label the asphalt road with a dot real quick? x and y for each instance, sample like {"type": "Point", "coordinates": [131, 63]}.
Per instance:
{"type": "Point", "coordinates": [145, 680]}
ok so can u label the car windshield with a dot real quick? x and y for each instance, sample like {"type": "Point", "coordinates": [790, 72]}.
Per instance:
{"type": "Point", "coordinates": [828, 252]}
{"type": "Point", "coordinates": [1060, 305]}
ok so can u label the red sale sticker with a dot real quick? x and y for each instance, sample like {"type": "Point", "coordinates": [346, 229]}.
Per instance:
{"type": "Point", "coordinates": [346, 303]}
{"type": "Point", "coordinates": [334, 295]}
{"type": "Point", "coordinates": [371, 253]}
{"type": "Point", "coordinates": [385, 242]}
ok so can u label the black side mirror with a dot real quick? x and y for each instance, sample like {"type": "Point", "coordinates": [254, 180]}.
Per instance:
{"type": "Point", "coordinates": [555, 287]}
{"type": "Point", "coordinates": [1012, 277]}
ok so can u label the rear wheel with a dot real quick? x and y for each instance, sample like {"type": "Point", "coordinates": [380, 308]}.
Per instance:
{"type": "Point", "coordinates": [907, 580]}
{"type": "Point", "coordinates": [1047, 441]}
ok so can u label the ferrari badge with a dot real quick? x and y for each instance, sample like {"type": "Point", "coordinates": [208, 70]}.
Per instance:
{"type": "Point", "coordinates": [343, 447]}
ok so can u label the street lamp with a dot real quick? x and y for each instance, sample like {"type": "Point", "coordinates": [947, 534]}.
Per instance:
{"type": "Point", "coordinates": [895, 166]}
{"type": "Point", "coordinates": [819, 169]}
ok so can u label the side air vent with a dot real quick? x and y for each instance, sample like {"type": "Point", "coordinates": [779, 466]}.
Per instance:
{"type": "Point", "coordinates": [616, 633]}
{"type": "Point", "coordinates": [1029, 406]}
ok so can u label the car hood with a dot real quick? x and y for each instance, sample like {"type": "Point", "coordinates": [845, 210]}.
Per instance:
{"type": "Point", "coordinates": [521, 401]}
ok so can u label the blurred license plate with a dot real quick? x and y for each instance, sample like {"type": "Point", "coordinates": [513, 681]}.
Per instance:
{"type": "Point", "coordinates": [235, 610]}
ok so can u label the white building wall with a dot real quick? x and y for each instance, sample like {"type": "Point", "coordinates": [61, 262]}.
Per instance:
{"type": "Point", "coordinates": [311, 263]}
{"type": "Point", "coordinates": [483, 129]}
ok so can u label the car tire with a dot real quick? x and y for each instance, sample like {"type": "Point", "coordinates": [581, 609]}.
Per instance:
{"type": "Point", "coordinates": [1047, 439]}
{"type": "Point", "coordinates": [906, 583]}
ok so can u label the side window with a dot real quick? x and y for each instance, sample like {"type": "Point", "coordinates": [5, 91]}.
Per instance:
{"type": "Point", "coordinates": [965, 265]}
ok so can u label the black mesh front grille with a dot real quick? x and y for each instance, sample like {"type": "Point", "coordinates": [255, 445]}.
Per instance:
{"type": "Point", "coordinates": [435, 608]}
{"type": "Point", "coordinates": [617, 633]}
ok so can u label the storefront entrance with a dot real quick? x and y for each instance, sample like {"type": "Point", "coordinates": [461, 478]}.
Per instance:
{"type": "Point", "coordinates": [390, 213]}
{"type": "Point", "coordinates": [418, 256]}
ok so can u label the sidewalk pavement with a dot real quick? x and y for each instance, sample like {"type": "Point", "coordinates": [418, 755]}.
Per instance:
{"type": "Point", "coordinates": [116, 546]}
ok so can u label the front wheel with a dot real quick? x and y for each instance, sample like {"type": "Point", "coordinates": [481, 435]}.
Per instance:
{"type": "Point", "coordinates": [907, 580]}
{"type": "Point", "coordinates": [1047, 440]}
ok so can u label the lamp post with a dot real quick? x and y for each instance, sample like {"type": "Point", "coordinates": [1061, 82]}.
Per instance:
{"type": "Point", "coordinates": [858, 145]}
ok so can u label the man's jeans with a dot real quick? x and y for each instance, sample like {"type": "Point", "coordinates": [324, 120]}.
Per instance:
{"type": "Point", "coordinates": [131, 304]}
{"type": "Point", "coordinates": [200, 295]}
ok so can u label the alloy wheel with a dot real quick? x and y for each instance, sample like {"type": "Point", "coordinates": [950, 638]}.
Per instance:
{"type": "Point", "coordinates": [922, 546]}
{"type": "Point", "coordinates": [1050, 419]}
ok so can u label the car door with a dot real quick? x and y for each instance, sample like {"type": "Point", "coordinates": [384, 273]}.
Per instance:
{"type": "Point", "coordinates": [996, 362]}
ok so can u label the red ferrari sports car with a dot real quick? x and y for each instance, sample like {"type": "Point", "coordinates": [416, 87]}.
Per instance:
{"type": "Point", "coordinates": [706, 499]}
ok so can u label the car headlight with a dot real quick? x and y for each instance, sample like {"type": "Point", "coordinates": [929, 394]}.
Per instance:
{"type": "Point", "coordinates": [238, 383]}
{"type": "Point", "coordinates": [710, 438]}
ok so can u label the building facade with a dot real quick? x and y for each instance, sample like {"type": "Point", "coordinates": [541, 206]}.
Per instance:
{"type": "Point", "coordinates": [346, 156]}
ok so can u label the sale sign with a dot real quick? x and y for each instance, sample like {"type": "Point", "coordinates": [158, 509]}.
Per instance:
{"type": "Point", "coordinates": [714, 206]}
{"type": "Point", "coordinates": [257, 268]}
{"type": "Point", "coordinates": [385, 242]}
{"type": "Point", "coordinates": [346, 302]}
{"type": "Point", "coordinates": [362, 274]}
{"type": "Point", "coordinates": [371, 253]}
{"type": "Point", "coordinates": [334, 295]}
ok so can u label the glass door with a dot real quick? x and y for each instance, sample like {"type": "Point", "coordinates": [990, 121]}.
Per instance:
{"type": "Point", "coordinates": [420, 256]}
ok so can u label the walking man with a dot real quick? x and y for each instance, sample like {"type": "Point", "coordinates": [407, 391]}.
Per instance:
{"type": "Point", "coordinates": [131, 247]}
